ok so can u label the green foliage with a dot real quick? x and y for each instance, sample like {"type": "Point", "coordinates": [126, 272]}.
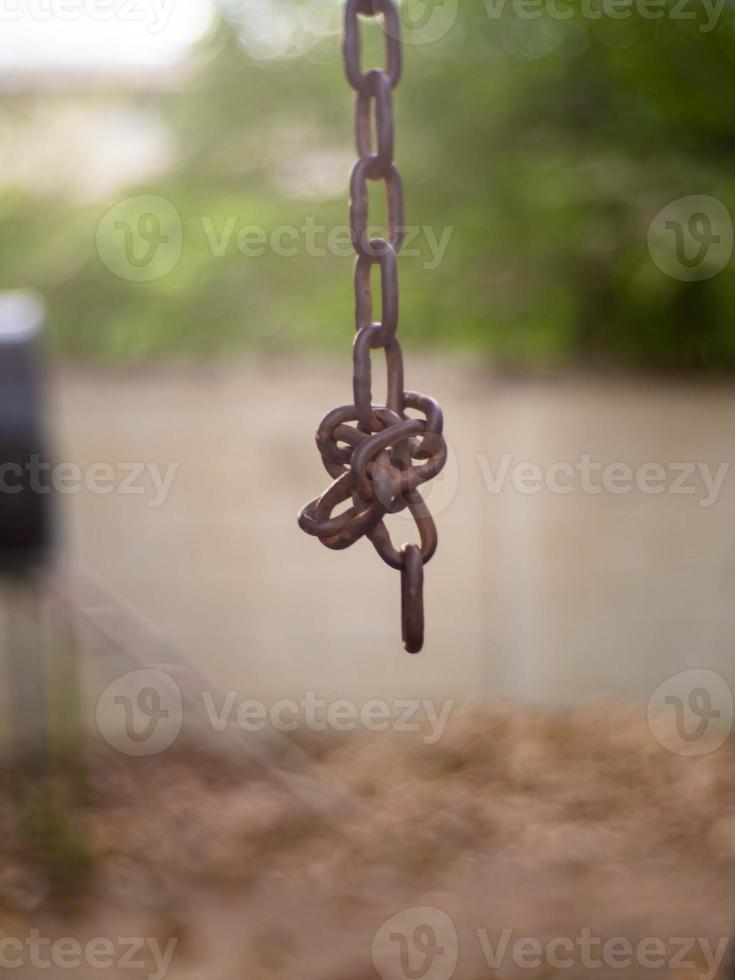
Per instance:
{"type": "Point", "coordinates": [546, 145]}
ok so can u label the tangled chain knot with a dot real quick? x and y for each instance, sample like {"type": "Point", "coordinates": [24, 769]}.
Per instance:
{"type": "Point", "coordinates": [378, 457]}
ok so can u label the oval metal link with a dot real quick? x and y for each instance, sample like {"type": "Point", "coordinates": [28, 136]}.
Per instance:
{"type": "Point", "coordinates": [362, 381]}
{"type": "Point", "coordinates": [352, 41]}
{"type": "Point", "coordinates": [379, 92]}
{"type": "Point", "coordinates": [396, 438]}
{"type": "Point", "coordinates": [359, 205]}
{"type": "Point", "coordinates": [404, 477]}
{"type": "Point", "coordinates": [434, 422]}
{"type": "Point", "coordinates": [334, 429]}
{"type": "Point", "coordinates": [412, 599]}
{"type": "Point", "coordinates": [338, 533]}
{"type": "Point", "coordinates": [386, 259]}
{"type": "Point", "coordinates": [382, 543]}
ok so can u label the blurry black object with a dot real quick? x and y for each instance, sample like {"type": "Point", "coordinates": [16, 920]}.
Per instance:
{"type": "Point", "coordinates": [25, 520]}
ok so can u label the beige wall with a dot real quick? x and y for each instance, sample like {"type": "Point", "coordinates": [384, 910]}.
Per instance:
{"type": "Point", "coordinates": [544, 596]}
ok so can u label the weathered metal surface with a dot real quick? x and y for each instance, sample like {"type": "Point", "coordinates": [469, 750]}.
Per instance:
{"type": "Point", "coordinates": [372, 451]}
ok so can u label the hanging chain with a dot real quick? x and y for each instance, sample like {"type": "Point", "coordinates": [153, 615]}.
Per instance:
{"type": "Point", "coordinates": [372, 451]}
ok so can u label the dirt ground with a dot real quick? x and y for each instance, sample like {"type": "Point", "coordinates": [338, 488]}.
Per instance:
{"type": "Point", "coordinates": [523, 824]}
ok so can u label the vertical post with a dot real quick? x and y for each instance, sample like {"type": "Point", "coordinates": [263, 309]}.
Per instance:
{"type": "Point", "coordinates": [25, 533]}
{"type": "Point", "coordinates": [45, 755]}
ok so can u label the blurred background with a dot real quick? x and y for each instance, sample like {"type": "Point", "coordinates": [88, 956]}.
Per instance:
{"type": "Point", "coordinates": [174, 189]}
{"type": "Point", "coordinates": [540, 145]}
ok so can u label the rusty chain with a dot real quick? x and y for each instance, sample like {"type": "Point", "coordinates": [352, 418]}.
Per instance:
{"type": "Point", "coordinates": [372, 451]}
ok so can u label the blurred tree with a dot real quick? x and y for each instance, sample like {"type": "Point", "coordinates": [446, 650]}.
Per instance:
{"type": "Point", "coordinates": [543, 140]}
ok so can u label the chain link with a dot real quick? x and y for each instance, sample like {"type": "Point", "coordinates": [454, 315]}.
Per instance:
{"type": "Point", "coordinates": [352, 43]}
{"type": "Point", "coordinates": [372, 452]}
{"type": "Point", "coordinates": [389, 294]}
{"type": "Point", "coordinates": [359, 202]}
{"type": "Point", "coordinates": [380, 92]}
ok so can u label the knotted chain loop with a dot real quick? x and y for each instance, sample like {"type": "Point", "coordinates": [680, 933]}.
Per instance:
{"type": "Point", "coordinates": [377, 455]}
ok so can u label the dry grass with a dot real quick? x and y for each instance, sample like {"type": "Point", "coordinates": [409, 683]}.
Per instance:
{"type": "Point", "coordinates": [516, 819]}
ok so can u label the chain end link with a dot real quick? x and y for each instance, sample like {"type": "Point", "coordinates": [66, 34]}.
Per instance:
{"type": "Point", "coordinates": [412, 598]}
